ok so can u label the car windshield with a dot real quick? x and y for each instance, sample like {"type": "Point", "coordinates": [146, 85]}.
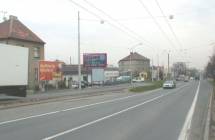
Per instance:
{"type": "Point", "coordinates": [107, 69]}
{"type": "Point", "coordinates": [168, 82]}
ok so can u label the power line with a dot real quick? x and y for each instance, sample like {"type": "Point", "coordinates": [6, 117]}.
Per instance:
{"type": "Point", "coordinates": [158, 25]}
{"type": "Point", "coordinates": [113, 19]}
{"type": "Point", "coordinates": [92, 13]}
{"type": "Point", "coordinates": [126, 29]}
{"type": "Point", "coordinates": [169, 25]}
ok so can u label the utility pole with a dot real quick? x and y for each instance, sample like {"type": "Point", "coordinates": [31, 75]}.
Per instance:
{"type": "Point", "coordinates": [131, 67]}
{"type": "Point", "coordinates": [70, 60]}
{"type": "Point", "coordinates": [152, 71]}
{"type": "Point", "coordinates": [79, 53]}
{"type": "Point", "coordinates": [168, 75]}
{"type": "Point", "coordinates": [158, 68]}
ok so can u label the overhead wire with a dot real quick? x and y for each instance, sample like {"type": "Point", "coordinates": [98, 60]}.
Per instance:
{"type": "Point", "coordinates": [125, 28]}
{"type": "Point", "coordinates": [99, 17]}
{"type": "Point", "coordinates": [169, 25]}
{"type": "Point", "coordinates": [113, 19]}
{"type": "Point", "coordinates": [157, 24]}
{"type": "Point", "coordinates": [159, 27]}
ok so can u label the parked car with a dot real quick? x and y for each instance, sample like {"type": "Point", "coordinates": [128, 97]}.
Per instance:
{"type": "Point", "coordinates": [191, 78]}
{"type": "Point", "coordinates": [76, 84]}
{"type": "Point", "coordinates": [87, 83]}
{"type": "Point", "coordinates": [169, 84]}
{"type": "Point", "coordinates": [123, 78]}
{"type": "Point", "coordinates": [138, 80]}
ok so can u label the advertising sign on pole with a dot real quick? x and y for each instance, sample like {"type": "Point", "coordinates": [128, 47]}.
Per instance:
{"type": "Point", "coordinates": [95, 60]}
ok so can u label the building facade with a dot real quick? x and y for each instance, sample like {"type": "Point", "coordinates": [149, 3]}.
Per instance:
{"type": "Point", "coordinates": [70, 74]}
{"type": "Point", "coordinates": [111, 74]}
{"type": "Point", "coordinates": [13, 32]}
{"type": "Point", "coordinates": [135, 63]}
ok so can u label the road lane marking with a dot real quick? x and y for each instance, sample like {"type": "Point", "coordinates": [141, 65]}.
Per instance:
{"type": "Point", "coordinates": [184, 134]}
{"type": "Point", "coordinates": [109, 116]}
{"type": "Point", "coordinates": [74, 108]}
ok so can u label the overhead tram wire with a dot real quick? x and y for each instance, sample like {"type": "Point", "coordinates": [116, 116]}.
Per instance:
{"type": "Point", "coordinates": [158, 25]}
{"type": "Point", "coordinates": [116, 21]}
{"type": "Point", "coordinates": [169, 25]}
{"type": "Point", "coordinates": [171, 29]}
{"type": "Point", "coordinates": [92, 13]}
{"type": "Point", "coordinates": [124, 31]}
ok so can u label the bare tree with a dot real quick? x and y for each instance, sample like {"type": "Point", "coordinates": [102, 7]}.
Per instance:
{"type": "Point", "coordinates": [210, 68]}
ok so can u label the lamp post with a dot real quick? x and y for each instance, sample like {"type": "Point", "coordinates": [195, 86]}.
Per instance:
{"type": "Point", "coordinates": [79, 53]}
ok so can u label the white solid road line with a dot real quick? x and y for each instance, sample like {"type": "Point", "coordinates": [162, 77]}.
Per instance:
{"type": "Point", "coordinates": [109, 116]}
{"type": "Point", "coordinates": [73, 108]}
{"type": "Point", "coordinates": [184, 134]}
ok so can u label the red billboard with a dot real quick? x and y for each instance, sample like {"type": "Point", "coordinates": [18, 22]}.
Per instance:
{"type": "Point", "coordinates": [49, 70]}
{"type": "Point", "coordinates": [95, 60]}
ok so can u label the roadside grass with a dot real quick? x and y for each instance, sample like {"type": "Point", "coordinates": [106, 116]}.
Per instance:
{"type": "Point", "coordinates": [212, 82]}
{"type": "Point", "coordinates": [155, 85]}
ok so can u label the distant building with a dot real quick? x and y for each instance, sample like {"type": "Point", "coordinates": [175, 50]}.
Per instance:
{"type": "Point", "coordinates": [135, 63]}
{"type": "Point", "coordinates": [70, 74]}
{"type": "Point", "coordinates": [179, 68]}
{"type": "Point", "coordinates": [13, 32]}
{"type": "Point", "coordinates": [111, 73]}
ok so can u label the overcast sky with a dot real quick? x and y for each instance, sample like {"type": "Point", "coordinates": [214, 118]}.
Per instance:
{"type": "Point", "coordinates": [55, 21]}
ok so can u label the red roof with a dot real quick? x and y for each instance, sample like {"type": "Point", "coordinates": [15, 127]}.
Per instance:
{"type": "Point", "coordinates": [14, 29]}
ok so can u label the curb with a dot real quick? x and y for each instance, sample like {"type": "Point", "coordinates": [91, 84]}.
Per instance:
{"type": "Point", "coordinates": [208, 120]}
{"type": "Point", "coordinates": [19, 103]}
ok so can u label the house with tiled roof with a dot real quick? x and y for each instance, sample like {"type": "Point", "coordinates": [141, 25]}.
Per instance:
{"type": "Point", "coordinates": [14, 32]}
{"type": "Point", "coordinates": [134, 62]}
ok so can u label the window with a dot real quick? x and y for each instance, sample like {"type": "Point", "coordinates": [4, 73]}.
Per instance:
{"type": "Point", "coordinates": [36, 52]}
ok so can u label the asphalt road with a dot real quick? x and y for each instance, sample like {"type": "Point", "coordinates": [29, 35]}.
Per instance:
{"type": "Point", "coordinates": [155, 115]}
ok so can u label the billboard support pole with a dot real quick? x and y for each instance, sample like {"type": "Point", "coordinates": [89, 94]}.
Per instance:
{"type": "Point", "coordinates": [79, 59]}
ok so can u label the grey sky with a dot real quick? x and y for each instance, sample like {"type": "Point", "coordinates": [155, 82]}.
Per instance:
{"type": "Point", "coordinates": [55, 21]}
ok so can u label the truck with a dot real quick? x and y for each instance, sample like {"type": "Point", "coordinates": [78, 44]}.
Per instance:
{"type": "Point", "coordinates": [13, 70]}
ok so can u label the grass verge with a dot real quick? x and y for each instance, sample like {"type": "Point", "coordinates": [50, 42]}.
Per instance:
{"type": "Point", "coordinates": [155, 85]}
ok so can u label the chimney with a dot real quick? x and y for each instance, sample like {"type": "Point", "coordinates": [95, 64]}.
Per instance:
{"type": "Point", "coordinates": [11, 17]}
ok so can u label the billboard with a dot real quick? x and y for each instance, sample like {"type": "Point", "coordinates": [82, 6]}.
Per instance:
{"type": "Point", "coordinates": [95, 60]}
{"type": "Point", "coordinates": [50, 70]}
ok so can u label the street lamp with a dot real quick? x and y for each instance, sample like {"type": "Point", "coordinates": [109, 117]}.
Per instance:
{"type": "Point", "coordinates": [79, 53]}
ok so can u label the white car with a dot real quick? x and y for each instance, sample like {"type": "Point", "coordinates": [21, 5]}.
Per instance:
{"type": "Point", "coordinates": [169, 84]}
{"type": "Point", "coordinates": [138, 80]}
